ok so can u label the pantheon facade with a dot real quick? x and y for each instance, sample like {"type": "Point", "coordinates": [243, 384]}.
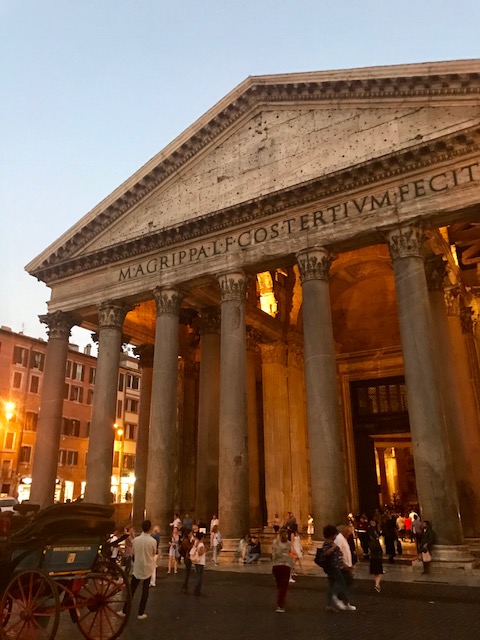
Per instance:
{"type": "Point", "coordinates": [299, 275]}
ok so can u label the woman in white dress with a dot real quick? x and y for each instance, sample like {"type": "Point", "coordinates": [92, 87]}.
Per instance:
{"type": "Point", "coordinates": [174, 551]}
{"type": "Point", "coordinates": [297, 549]}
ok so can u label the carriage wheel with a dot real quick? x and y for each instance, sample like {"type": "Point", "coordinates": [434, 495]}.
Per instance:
{"type": "Point", "coordinates": [30, 607]}
{"type": "Point", "coordinates": [100, 602]}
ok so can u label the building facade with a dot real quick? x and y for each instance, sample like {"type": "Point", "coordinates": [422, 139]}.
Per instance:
{"type": "Point", "coordinates": [22, 364]}
{"type": "Point", "coordinates": [299, 273]}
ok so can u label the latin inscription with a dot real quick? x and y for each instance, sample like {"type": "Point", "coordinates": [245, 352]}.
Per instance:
{"type": "Point", "coordinates": [336, 213]}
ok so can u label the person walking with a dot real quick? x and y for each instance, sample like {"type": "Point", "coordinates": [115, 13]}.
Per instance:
{"type": "Point", "coordinates": [282, 566]}
{"type": "Point", "coordinates": [128, 552]}
{"type": "Point", "coordinates": [144, 550]}
{"type": "Point", "coordinates": [156, 537]}
{"type": "Point", "coordinates": [215, 543]}
{"type": "Point", "coordinates": [185, 546]}
{"type": "Point", "coordinates": [297, 549]}
{"type": "Point", "coordinates": [376, 555]}
{"type": "Point", "coordinates": [341, 540]}
{"type": "Point", "coordinates": [197, 555]}
{"type": "Point", "coordinates": [427, 540]}
{"type": "Point", "coordinates": [333, 564]}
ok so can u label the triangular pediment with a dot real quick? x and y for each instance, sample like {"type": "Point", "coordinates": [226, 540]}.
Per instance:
{"type": "Point", "coordinates": [276, 133]}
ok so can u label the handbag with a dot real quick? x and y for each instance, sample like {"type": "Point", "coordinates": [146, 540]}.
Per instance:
{"type": "Point", "coordinates": [426, 557]}
{"type": "Point", "coordinates": [219, 545]}
{"type": "Point", "coordinates": [399, 547]}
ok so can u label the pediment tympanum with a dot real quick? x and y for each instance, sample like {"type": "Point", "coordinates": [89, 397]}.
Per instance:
{"type": "Point", "coordinates": [280, 142]}
{"type": "Point", "coordinates": [278, 149]}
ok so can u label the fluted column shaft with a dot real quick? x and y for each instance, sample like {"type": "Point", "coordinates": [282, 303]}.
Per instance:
{"type": "Point", "coordinates": [104, 408]}
{"type": "Point", "coordinates": [276, 430]}
{"type": "Point", "coordinates": [145, 353]}
{"type": "Point", "coordinates": [44, 471]}
{"type": "Point", "coordinates": [300, 504]}
{"type": "Point", "coordinates": [208, 415]}
{"type": "Point", "coordinates": [233, 434]}
{"type": "Point", "coordinates": [329, 501]}
{"type": "Point", "coordinates": [436, 486]}
{"type": "Point", "coordinates": [162, 447]}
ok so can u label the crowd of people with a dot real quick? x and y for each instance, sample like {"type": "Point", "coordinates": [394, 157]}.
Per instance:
{"type": "Point", "coordinates": [337, 556]}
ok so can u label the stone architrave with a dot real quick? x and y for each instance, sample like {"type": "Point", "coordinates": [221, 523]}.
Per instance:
{"type": "Point", "coordinates": [435, 479]}
{"type": "Point", "coordinates": [233, 433]}
{"type": "Point", "coordinates": [145, 354]}
{"type": "Point", "coordinates": [111, 315]}
{"type": "Point", "coordinates": [276, 430]}
{"type": "Point", "coordinates": [329, 501]}
{"type": "Point", "coordinates": [300, 504]}
{"type": "Point", "coordinates": [208, 415]}
{"type": "Point", "coordinates": [44, 471]}
{"type": "Point", "coordinates": [459, 404]}
{"type": "Point", "coordinates": [256, 521]}
{"type": "Point", "coordinates": [162, 444]}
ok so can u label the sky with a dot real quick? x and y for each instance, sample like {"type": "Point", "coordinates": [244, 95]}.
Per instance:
{"type": "Point", "coordinates": [90, 90]}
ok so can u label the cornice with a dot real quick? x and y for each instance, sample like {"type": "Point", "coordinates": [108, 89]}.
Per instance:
{"type": "Point", "coordinates": [370, 84]}
{"type": "Point", "coordinates": [362, 175]}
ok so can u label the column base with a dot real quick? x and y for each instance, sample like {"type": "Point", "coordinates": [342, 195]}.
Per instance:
{"type": "Point", "coordinates": [448, 558]}
{"type": "Point", "coordinates": [229, 551]}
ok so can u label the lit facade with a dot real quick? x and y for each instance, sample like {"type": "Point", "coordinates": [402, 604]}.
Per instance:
{"type": "Point", "coordinates": [299, 273]}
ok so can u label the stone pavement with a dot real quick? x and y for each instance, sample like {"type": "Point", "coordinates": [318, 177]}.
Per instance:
{"type": "Point", "coordinates": [240, 602]}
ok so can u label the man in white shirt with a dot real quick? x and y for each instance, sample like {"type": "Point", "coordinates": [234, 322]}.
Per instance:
{"type": "Point", "coordinates": [345, 530]}
{"type": "Point", "coordinates": [144, 550]}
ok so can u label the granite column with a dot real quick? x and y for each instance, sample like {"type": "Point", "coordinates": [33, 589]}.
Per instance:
{"type": "Point", "coordinates": [329, 501]}
{"type": "Point", "coordinates": [162, 443]}
{"type": "Point", "coordinates": [111, 315]}
{"type": "Point", "coordinates": [44, 471]}
{"type": "Point", "coordinates": [233, 434]}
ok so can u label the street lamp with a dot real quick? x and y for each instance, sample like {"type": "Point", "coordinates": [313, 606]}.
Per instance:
{"type": "Point", "coordinates": [119, 435]}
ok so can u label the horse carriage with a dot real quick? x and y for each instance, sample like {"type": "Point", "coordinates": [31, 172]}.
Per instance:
{"type": "Point", "coordinates": [55, 560]}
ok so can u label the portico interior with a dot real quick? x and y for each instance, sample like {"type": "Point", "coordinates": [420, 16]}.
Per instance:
{"type": "Point", "coordinates": [346, 206]}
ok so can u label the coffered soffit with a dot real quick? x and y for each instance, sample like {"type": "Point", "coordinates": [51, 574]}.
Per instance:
{"type": "Point", "coordinates": [453, 86]}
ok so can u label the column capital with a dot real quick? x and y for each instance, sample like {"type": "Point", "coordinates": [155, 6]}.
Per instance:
{"type": "Point", "coordinates": [452, 301]}
{"type": "Point", "coordinates": [144, 353]}
{"type": "Point", "coordinates": [59, 323]}
{"type": "Point", "coordinates": [253, 338]}
{"type": "Point", "coordinates": [405, 241]}
{"type": "Point", "coordinates": [435, 271]}
{"type": "Point", "coordinates": [233, 286]}
{"type": "Point", "coordinates": [167, 300]}
{"type": "Point", "coordinates": [295, 356]}
{"type": "Point", "coordinates": [314, 263]}
{"type": "Point", "coordinates": [111, 314]}
{"type": "Point", "coordinates": [210, 321]}
{"type": "Point", "coordinates": [274, 353]}
{"type": "Point", "coordinates": [466, 319]}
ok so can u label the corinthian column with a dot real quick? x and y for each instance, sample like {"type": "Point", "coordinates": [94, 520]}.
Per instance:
{"type": "Point", "coordinates": [233, 434]}
{"type": "Point", "coordinates": [49, 427]}
{"type": "Point", "coordinates": [253, 435]}
{"type": "Point", "coordinates": [104, 409]}
{"type": "Point", "coordinates": [162, 447]}
{"type": "Point", "coordinates": [436, 486]}
{"type": "Point", "coordinates": [145, 354]}
{"type": "Point", "coordinates": [208, 415]}
{"type": "Point", "coordinates": [329, 501]}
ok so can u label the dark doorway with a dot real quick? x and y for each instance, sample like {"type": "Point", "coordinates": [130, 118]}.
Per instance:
{"type": "Point", "coordinates": [385, 473]}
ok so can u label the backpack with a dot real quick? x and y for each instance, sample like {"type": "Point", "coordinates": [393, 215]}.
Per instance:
{"type": "Point", "coordinates": [185, 547]}
{"type": "Point", "coordinates": [321, 559]}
